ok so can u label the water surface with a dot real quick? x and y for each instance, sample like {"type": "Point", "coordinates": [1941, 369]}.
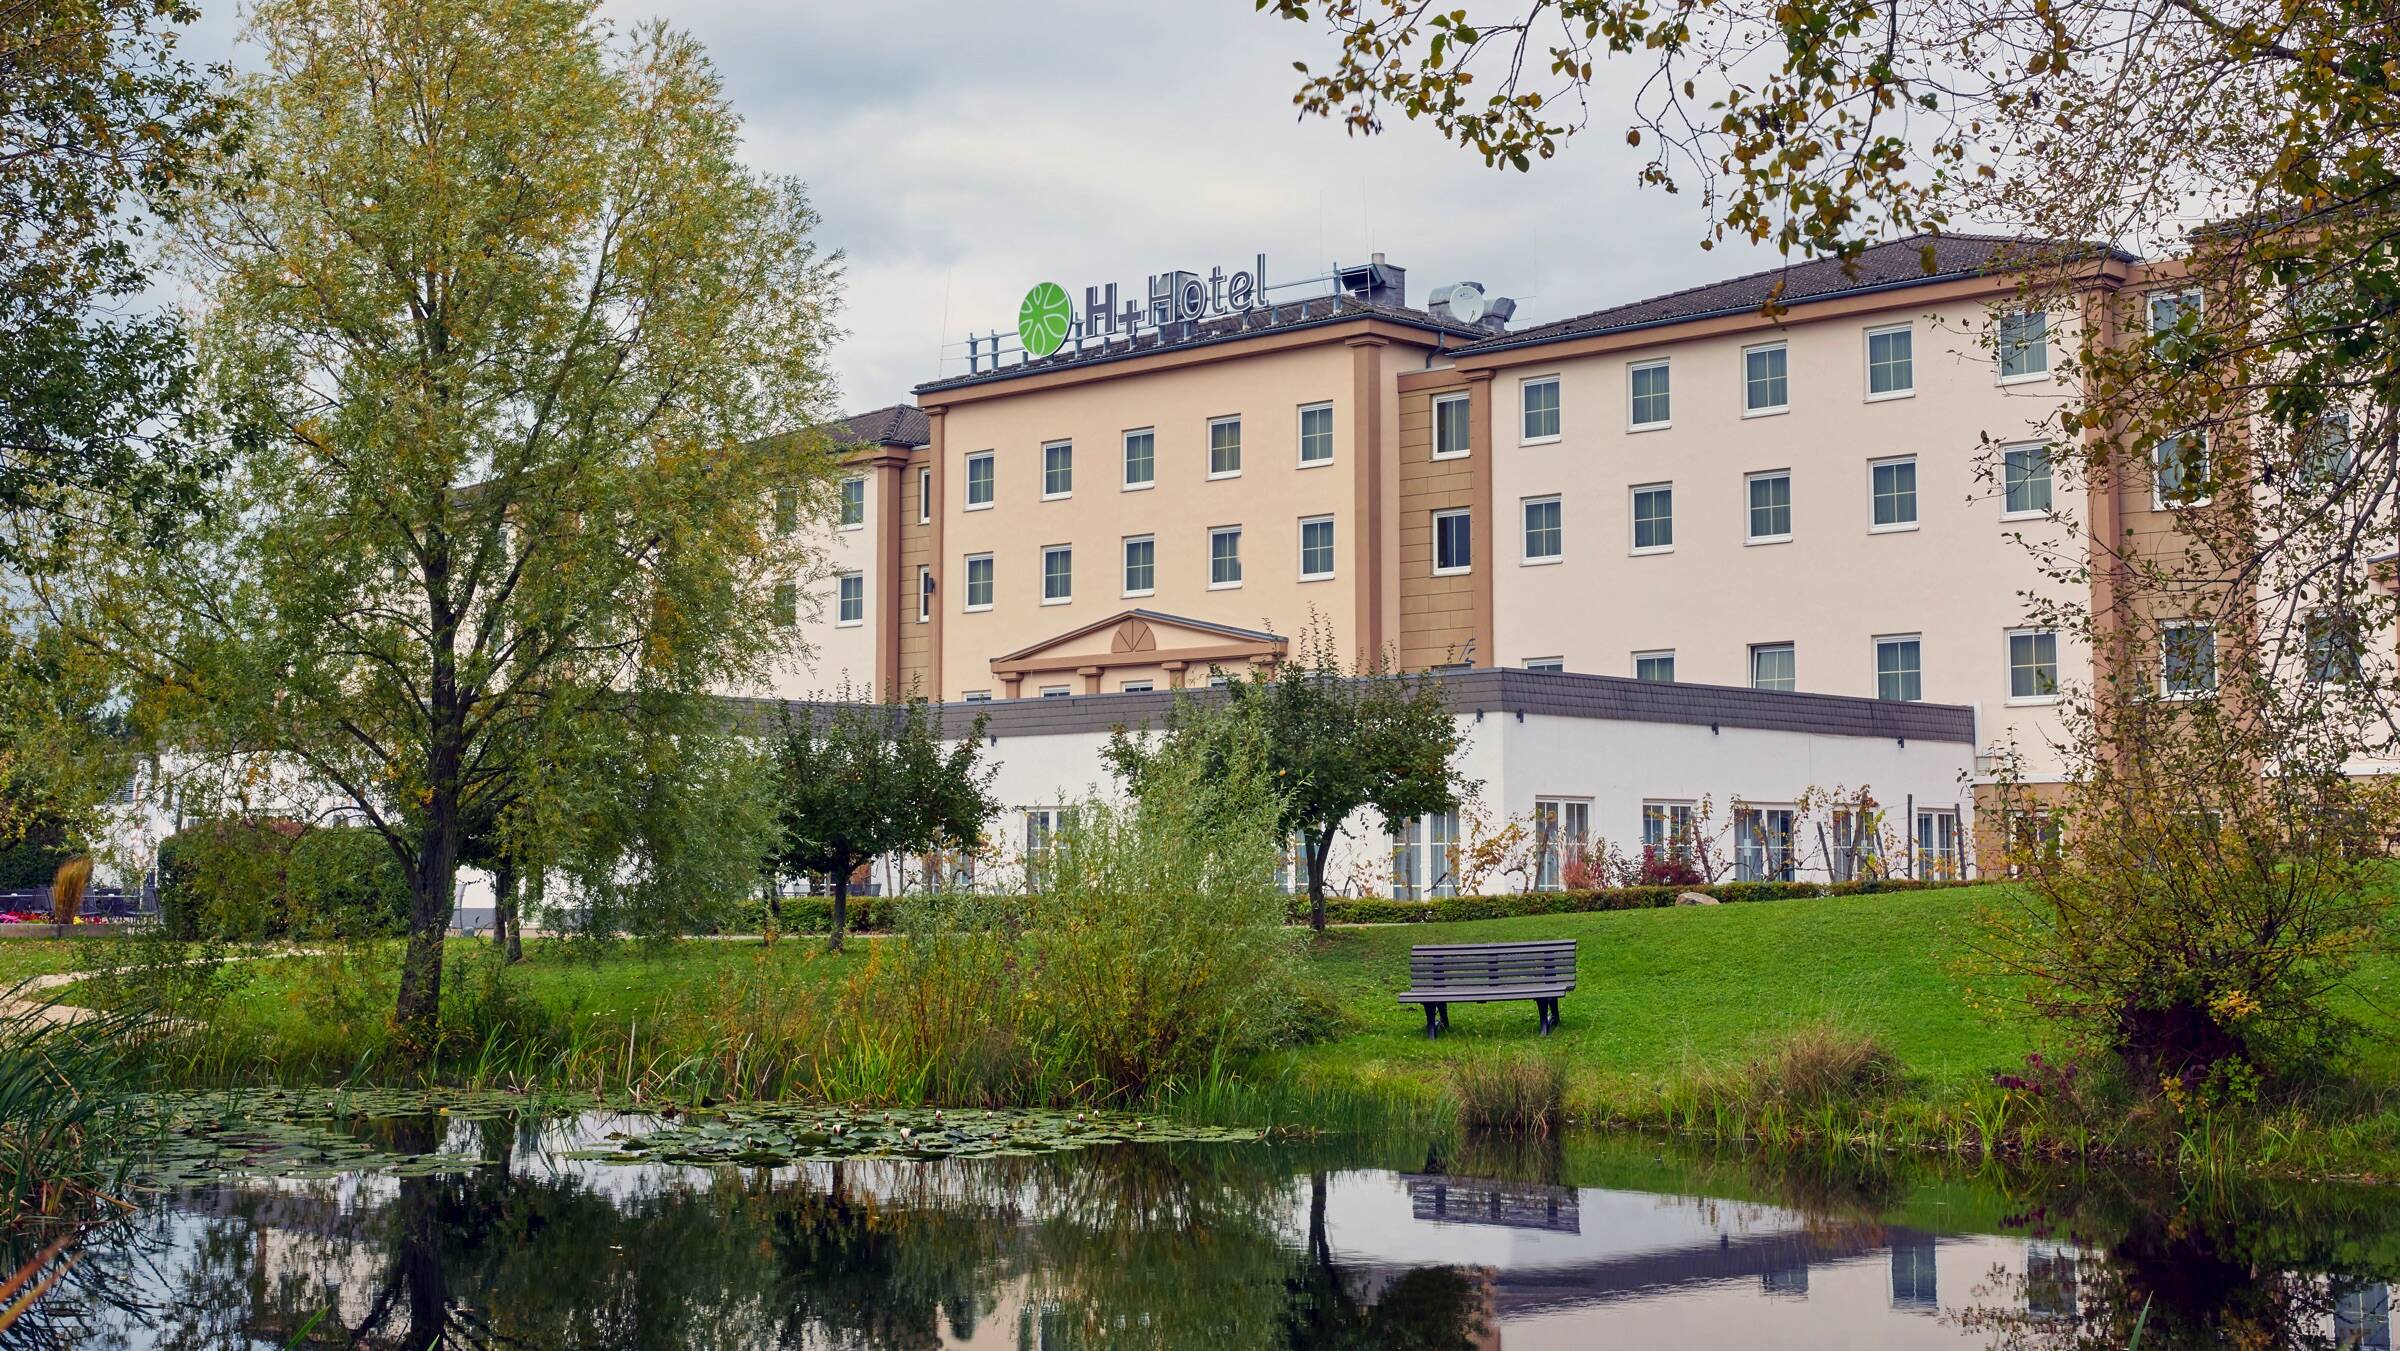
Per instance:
{"type": "Point", "coordinates": [505, 1233]}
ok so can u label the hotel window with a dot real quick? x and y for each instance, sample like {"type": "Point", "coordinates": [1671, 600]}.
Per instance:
{"type": "Point", "coordinates": [1450, 439]}
{"type": "Point", "coordinates": [1224, 447]}
{"type": "Point", "coordinates": [1854, 846]}
{"type": "Point", "coordinates": [2336, 648]}
{"type": "Point", "coordinates": [2187, 659]}
{"type": "Point", "coordinates": [924, 594]}
{"type": "Point", "coordinates": [1141, 458]}
{"type": "Point", "coordinates": [1042, 827]}
{"type": "Point", "coordinates": [1316, 434]}
{"type": "Point", "coordinates": [2174, 318]}
{"type": "Point", "coordinates": [1225, 556]}
{"type": "Point", "coordinates": [1545, 538]}
{"type": "Point", "coordinates": [981, 477]}
{"type": "Point", "coordinates": [850, 592]}
{"type": "Point", "coordinates": [1141, 565]}
{"type": "Point", "coordinates": [787, 605]}
{"type": "Point", "coordinates": [1056, 691]}
{"type": "Point", "coordinates": [1941, 851]}
{"type": "Point", "coordinates": [1668, 829]}
{"type": "Point", "coordinates": [2024, 343]}
{"type": "Point", "coordinates": [1058, 470]}
{"type": "Point", "coordinates": [1651, 405]}
{"type": "Point", "coordinates": [1770, 506]}
{"type": "Point", "coordinates": [1655, 666]}
{"type": "Point", "coordinates": [2025, 480]}
{"type": "Point", "coordinates": [1774, 666]}
{"type": "Point", "coordinates": [1134, 687]}
{"type": "Point", "coordinates": [979, 581]}
{"type": "Point", "coordinates": [1891, 362]}
{"type": "Point", "coordinates": [1453, 542]}
{"type": "Point", "coordinates": [1654, 518]}
{"type": "Point", "coordinates": [2326, 460]}
{"type": "Point", "coordinates": [1540, 399]}
{"type": "Point", "coordinates": [2182, 471]}
{"type": "Point", "coordinates": [1762, 844]}
{"type": "Point", "coordinates": [1900, 669]}
{"type": "Point", "coordinates": [854, 503]}
{"type": "Point", "coordinates": [1561, 827]}
{"type": "Point", "coordinates": [1546, 665]}
{"type": "Point", "coordinates": [1766, 379]}
{"type": "Point", "coordinates": [1316, 548]}
{"type": "Point", "coordinates": [1894, 486]}
{"type": "Point", "coordinates": [1421, 857]}
{"type": "Point", "coordinates": [924, 496]}
{"type": "Point", "coordinates": [787, 510]}
{"type": "Point", "coordinates": [1058, 574]}
{"type": "Point", "coordinates": [2033, 664]}
{"type": "Point", "coordinates": [977, 696]}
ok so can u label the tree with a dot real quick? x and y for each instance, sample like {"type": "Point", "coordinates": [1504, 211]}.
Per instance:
{"type": "Point", "coordinates": [511, 326]}
{"type": "Point", "coordinates": [858, 780]}
{"type": "Point", "coordinates": [1338, 742]}
{"type": "Point", "coordinates": [101, 128]}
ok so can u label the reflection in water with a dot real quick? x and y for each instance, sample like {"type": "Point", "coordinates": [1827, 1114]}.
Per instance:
{"type": "Point", "coordinates": [1314, 1247]}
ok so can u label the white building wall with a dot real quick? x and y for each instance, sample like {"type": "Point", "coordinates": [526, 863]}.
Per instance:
{"type": "Point", "coordinates": [838, 653]}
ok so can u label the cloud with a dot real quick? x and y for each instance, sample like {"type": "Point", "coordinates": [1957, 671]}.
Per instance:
{"type": "Point", "coordinates": [960, 152]}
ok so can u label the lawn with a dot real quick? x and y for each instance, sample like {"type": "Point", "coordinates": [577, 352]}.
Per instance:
{"type": "Point", "coordinates": [1660, 993]}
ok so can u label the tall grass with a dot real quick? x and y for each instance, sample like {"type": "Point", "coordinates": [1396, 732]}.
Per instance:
{"type": "Point", "coordinates": [63, 1122]}
{"type": "Point", "coordinates": [1522, 1094]}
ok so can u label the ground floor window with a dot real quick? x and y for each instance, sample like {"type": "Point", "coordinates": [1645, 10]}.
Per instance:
{"type": "Point", "coordinates": [1854, 845]}
{"type": "Point", "coordinates": [1421, 857]}
{"type": "Point", "coordinates": [1291, 866]}
{"type": "Point", "coordinates": [2033, 837]}
{"type": "Point", "coordinates": [1667, 830]}
{"type": "Point", "coordinates": [1042, 828]}
{"type": "Point", "coordinates": [1762, 844]}
{"type": "Point", "coordinates": [1562, 829]}
{"type": "Point", "coordinates": [1941, 852]}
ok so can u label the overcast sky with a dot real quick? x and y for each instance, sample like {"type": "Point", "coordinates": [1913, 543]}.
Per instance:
{"type": "Point", "coordinates": [961, 152]}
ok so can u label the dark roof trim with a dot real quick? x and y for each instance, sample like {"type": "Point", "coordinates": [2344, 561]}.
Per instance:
{"type": "Point", "coordinates": [1488, 691]}
{"type": "Point", "coordinates": [1671, 321]}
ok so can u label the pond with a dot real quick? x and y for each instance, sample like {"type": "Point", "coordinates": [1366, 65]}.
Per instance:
{"type": "Point", "coordinates": [386, 1222]}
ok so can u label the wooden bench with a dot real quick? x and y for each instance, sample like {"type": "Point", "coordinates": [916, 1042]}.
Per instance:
{"type": "Point", "coordinates": [1442, 974]}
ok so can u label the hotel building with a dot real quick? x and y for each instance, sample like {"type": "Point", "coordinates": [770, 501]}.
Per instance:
{"type": "Point", "coordinates": [1843, 499]}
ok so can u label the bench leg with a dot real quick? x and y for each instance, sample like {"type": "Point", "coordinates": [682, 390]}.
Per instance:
{"type": "Point", "coordinates": [1445, 1008]}
{"type": "Point", "coordinates": [1433, 1025]}
{"type": "Point", "coordinates": [1555, 1020]}
{"type": "Point", "coordinates": [1541, 1017]}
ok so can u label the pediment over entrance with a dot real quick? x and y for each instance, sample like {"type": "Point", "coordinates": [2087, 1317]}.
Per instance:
{"type": "Point", "coordinates": [1139, 641]}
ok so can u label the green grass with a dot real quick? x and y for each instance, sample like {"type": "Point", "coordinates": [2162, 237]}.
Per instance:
{"type": "Point", "coordinates": [1669, 1006]}
{"type": "Point", "coordinates": [1659, 991]}
{"type": "Point", "coordinates": [23, 957]}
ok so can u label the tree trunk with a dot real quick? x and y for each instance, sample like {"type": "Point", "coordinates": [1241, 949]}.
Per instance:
{"type": "Point", "coordinates": [1319, 850]}
{"type": "Point", "coordinates": [841, 908]}
{"type": "Point", "coordinates": [516, 925]}
{"type": "Point", "coordinates": [416, 1018]}
{"type": "Point", "coordinates": [504, 900]}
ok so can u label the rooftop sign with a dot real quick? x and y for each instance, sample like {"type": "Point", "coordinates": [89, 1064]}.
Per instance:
{"type": "Point", "coordinates": [1049, 317]}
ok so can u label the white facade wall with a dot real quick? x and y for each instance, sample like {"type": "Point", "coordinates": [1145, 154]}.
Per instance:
{"type": "Point", "coordinates": [1957, 580]}
{"type": "Point", "coordinates": [1614, 766]}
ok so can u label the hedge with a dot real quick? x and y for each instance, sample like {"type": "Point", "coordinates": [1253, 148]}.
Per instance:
{"type": "Point", "coordinates": [878, 914]}
{"type": "Point", "coordinates": [1448, 909]}
{"type": "Point", "coordinates": [274, 879]}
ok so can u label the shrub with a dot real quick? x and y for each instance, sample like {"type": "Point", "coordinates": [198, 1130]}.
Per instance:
{"type": "Point", "coordinates": [1670, 868]}
{"type": "Point", "coordinates": [344, 883]}
{"type": "Point", "coordinates": [225, 879]}
{"type": "Point", "coordinates": [1526, 1094]}
{"type": "Point", "coordinates": [1158, 931]}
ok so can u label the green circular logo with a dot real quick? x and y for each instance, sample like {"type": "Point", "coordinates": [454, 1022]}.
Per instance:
{"type": "Point", "coordinates": [1044, 318]}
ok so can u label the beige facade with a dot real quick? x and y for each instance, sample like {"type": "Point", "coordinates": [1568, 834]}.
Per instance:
{"type": "Point", "coordinates": [1436, 493]}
